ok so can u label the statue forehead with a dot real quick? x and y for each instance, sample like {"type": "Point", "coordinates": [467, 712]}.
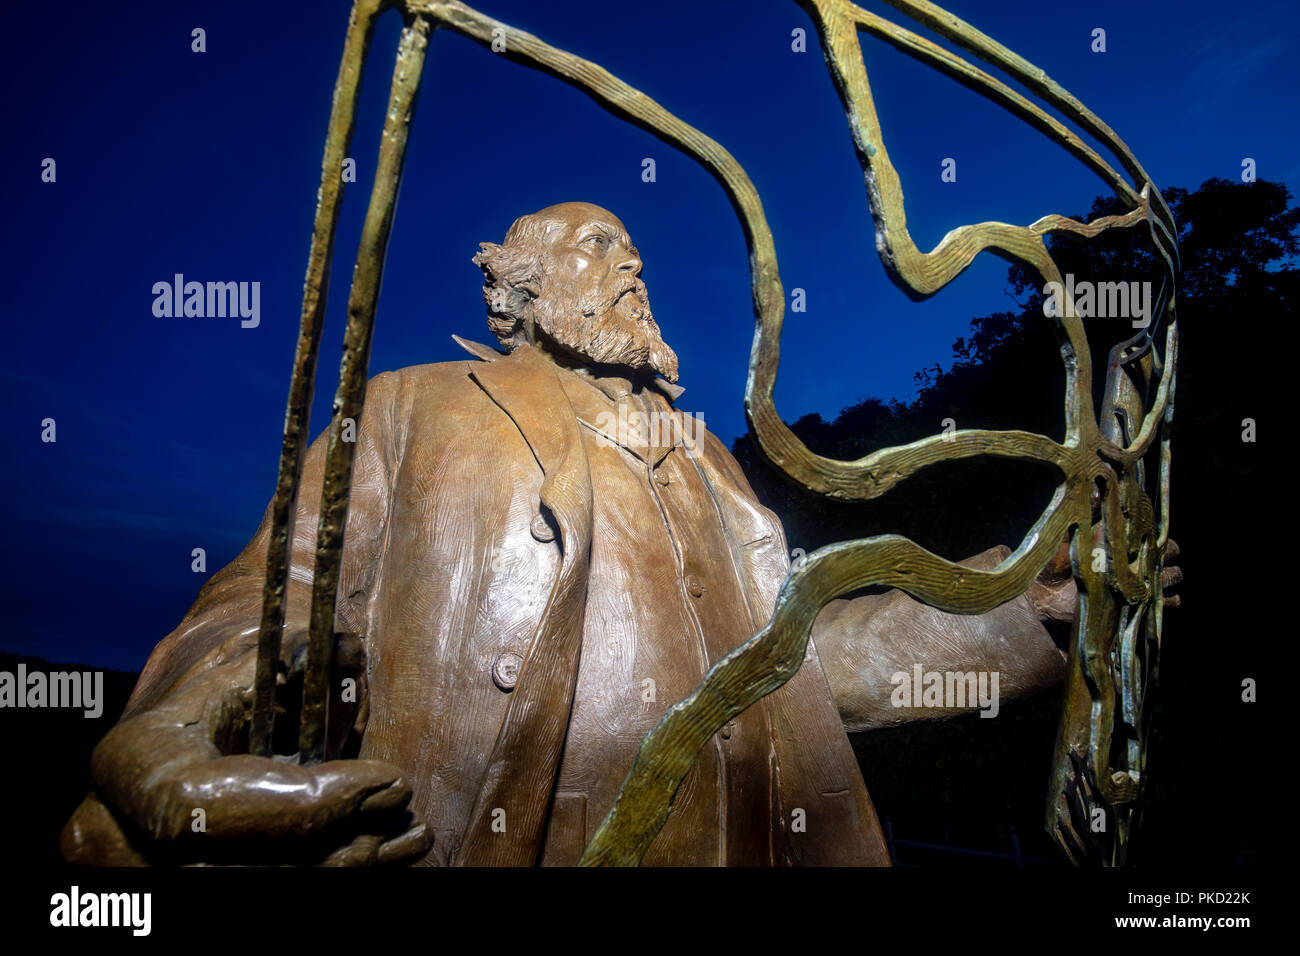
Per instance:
{"type": "Point", "coordinates": [573, 215]}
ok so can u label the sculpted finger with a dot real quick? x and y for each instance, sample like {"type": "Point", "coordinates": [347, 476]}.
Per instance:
{"type": "Point", "coordinates": [1172, 550]}
{"type": "Point", "coordinates": [1170, 577]}
{"type": "Point", "coordinates": [1059, 566]}
{"type": "Point", "coordinates": [375, 849]}
{"type": "Point", "coordinates": [408, 847]}
{"type": "Point", "coordinates": [1173, 601]}
{"type": "Point", "coordinates": [362, 851]}
{"type": "Point", "coordinates": [394, 796]}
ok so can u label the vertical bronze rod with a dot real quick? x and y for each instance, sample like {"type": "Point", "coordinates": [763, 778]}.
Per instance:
{"type": "Point", "coordinates": [297, 414]}
{"type": "Point", "coordinates": [351, 395]}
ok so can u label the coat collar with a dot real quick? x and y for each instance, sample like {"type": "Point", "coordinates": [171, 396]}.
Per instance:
{"type": "Point", "coordinates": [639, 419]}
{"type": "Point", "coordinates": [612, 385]}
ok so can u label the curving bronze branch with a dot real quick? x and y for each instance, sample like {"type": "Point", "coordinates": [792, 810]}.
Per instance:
{"type": "Point", "coordinates": [1120, 602]}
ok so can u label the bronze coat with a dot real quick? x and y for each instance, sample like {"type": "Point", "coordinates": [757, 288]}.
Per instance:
{"type": "Point", "coordinates": [534, 588]}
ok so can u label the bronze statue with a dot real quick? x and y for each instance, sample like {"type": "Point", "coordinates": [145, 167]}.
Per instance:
{"type": "Point", "coordinates": [542, 552]}
{"type": "Point", "coordinates": [542, 555]}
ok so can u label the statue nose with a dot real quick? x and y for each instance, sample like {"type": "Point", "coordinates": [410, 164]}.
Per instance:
{"type": "Point", "coordinates": [631, 263]}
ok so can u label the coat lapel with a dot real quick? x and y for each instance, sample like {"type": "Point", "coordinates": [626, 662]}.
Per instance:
{"type": "Point", "coordinates": [509, 816]}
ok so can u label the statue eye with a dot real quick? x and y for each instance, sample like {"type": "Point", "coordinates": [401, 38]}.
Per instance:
{"type": "Point", "coordinates": [600, 240]}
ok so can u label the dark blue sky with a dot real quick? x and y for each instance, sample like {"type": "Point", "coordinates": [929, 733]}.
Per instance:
{"type": "Point", "coordinates": [207, 164]}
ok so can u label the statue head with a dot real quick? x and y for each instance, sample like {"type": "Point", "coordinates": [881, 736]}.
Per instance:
{"type": "Point", "coordinates": [568, 279]}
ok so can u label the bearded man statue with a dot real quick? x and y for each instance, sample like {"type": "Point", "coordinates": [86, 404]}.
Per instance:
{"type": "Point", "coordinates": [542, 555]}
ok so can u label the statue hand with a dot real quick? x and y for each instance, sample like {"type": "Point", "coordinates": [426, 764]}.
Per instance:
{"type": "Point", "coordinates": [246, 809]}
{"type": "Point", "coordinates": [1054, 595]}
{"type": "Point", "coordinates": [163, 778]}
{"type": "Point", "coordinates": [1172, 575]}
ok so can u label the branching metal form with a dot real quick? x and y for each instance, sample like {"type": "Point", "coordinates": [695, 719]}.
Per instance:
{"type": "Point", "coordinates": [1121, 455]}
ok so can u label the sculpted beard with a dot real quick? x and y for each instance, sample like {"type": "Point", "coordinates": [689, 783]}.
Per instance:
{"type": "Point", "coordinates": [615, 327]}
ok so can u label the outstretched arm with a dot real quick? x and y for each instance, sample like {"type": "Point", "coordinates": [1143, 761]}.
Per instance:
{"type": "Point", "coordinates": [866, 642]}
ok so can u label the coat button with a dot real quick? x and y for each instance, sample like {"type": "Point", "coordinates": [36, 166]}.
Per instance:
{"type": "Point", "coordinates": [694, 585]}
{"type": "Point", "coordinates": [725, 732]}
{"type": "Point", "coordinates": [541, 528]}
{"type": "Point", "coordinates": [662, 478]}
{"type": "Point", "coordinates": [505, 672]}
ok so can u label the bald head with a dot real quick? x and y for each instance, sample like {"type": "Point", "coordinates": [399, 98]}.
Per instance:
{"type": "Point", "coordinates": [548, 223]}
{"type": "Point", "coordinates": [568, 277]}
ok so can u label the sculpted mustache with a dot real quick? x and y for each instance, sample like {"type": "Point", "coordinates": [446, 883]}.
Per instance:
{"type": "Point", "coordinates": [608, 302]}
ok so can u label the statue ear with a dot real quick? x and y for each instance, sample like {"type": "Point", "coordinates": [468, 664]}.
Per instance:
{"type": "Point", "coordinates": [519, 300]}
